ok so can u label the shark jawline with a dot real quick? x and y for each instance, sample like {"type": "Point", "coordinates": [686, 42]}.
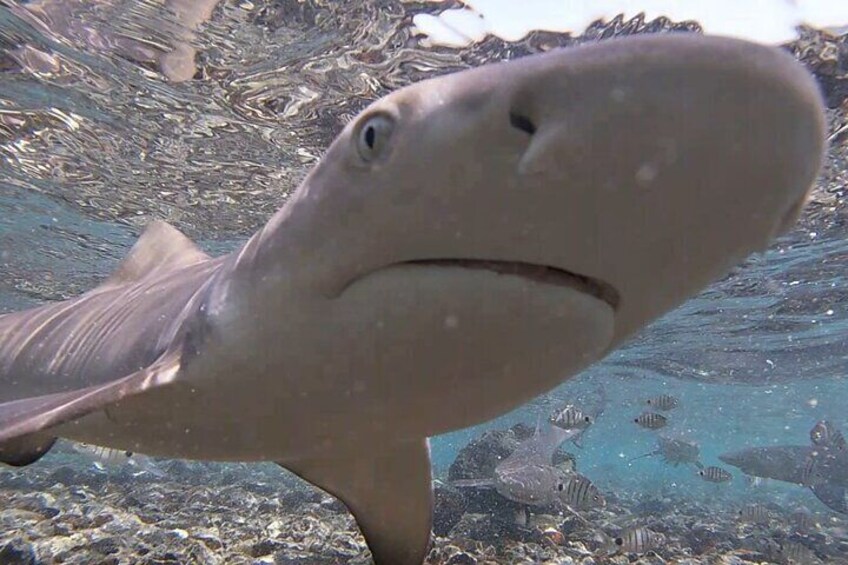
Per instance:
{"type": "Point", "coordinates": [544, 274]}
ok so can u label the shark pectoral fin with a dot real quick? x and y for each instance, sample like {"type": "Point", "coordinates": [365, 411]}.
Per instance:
{"type": "Point", "coordinates": [22, 418]}
{"type": "Point", "coordinates": [389, 493]}
{"type": "Point", "coordinates": [24, 450]}
{"type": "Point", "coordinates": [832, 496]}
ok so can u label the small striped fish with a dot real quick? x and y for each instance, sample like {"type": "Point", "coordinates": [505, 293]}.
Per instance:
{"type": "Point", "coordinates": [755, 514]}
{"type": "Point", "coordinates": [105, 454]}
{"type": "Point", "coordinates": [108, 457]}
{"type": "Point", "coordinates": [803, 521]}
{"type": "Point", "coordinates": [571, 418]}
{"type": "Point", "coordinates": [579, 493]}
{"type": "Point", "coordinates": [651, 420]}
{"type": "Point", "coordinates": [794, 553]}
{"type": "Point", "coordinates": [664, 402]}
{"type": "Point", "coordinates": [755, 482]}
{"type": "Point", "coordinates": [714, 474]}
{"type": "Point", "coordinates": [638, 539]}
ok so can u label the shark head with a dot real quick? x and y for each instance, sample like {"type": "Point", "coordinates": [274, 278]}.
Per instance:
{"type": "Point", "coordinates": [471, 240]}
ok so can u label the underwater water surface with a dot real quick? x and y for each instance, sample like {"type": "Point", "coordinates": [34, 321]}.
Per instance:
{"type": "Point", "coordinates": [207, 115]}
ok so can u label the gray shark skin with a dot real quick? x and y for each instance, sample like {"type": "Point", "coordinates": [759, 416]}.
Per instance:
{"type": "Point", "coordinates": [781, 462]}
{"type": "Point", "coordinates": [541, 446]}
{"type": "Point", "coordinates": [528, 475]}
{"type": "Point", "coordinates": [465, 244]}
{"type": "Point", "coordinates": [821, 466]}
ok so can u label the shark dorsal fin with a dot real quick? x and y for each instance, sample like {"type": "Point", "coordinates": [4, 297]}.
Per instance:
{"type": "Point", "coordinates": [161, 247]}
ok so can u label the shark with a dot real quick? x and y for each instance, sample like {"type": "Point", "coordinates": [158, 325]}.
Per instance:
{"type": "Point", "coordinates": [822, 466]}
{"type": "Point", "coordinates": [464, 245]}
{"type": "Point", "coordinates": [528, 475]}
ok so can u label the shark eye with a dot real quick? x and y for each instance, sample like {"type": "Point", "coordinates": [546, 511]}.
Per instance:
{"type": "Point", "coordinates": [373, 136]}
{"type": "Point", "coordinates": [619, 541]}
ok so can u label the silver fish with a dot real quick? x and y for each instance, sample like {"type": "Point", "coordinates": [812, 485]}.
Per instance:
{"type": "Point", "coordinates": [803, 521]}
{"type": "Point", "coordinates": [651, 420]}
{"type": "Point", "coordinates": [794, 553]}
{"type": "Point", "coordinates": [755, 482]}
{"type": "Point", "coordinates": [110, 457]}
{"type": "Point", "coordinates": [571, 418]}
{"type": "Point", "coordinates": [715, 474]}
{"type": "Point", "coordinates": [579, 493]}
{"type": "Point", "coordinates": [105, 454]}
{"type": "Point", "coordinates": [755, 514]}
{"type": "Point", "coordinates": [637, 539]}
{"type": "Point", "coordinates": [663, 402]}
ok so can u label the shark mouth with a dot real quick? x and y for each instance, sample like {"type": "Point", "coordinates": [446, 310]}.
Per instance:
{"type": "Point", "coordinates": [538, 273]}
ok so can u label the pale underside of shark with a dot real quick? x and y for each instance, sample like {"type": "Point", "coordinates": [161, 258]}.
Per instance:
{"type": "Point", "coordinates": [465, 244]}
{"type": "Point", "coordinates": [821, 466]}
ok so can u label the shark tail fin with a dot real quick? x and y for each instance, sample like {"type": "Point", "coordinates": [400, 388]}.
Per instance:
{"type": "Point", "coordinates": [24, 423]}
{"type": "Point", "coordinates": [649, 454]}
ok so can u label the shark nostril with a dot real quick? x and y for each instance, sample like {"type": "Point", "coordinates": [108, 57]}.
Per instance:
{"type": "Point", "coordinates": [522, 122]}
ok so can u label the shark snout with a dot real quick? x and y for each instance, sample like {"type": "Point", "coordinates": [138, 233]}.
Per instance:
{"type": "Point", "coordinates": [660, 168]}
{"type": "Point", "coordinates": [734, 458]}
